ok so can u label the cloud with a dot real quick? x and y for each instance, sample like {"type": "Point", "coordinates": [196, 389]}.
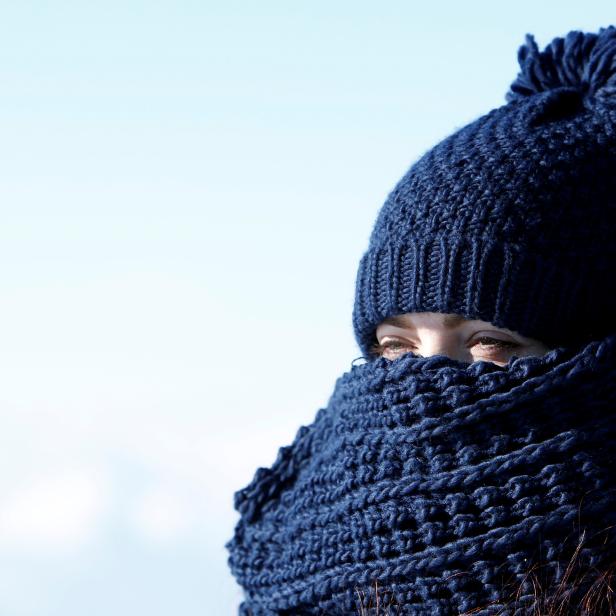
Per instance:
{"type": "Point", "coordinates": [162, 514]}
{"type": "Point", "coordinates": [55, 513]}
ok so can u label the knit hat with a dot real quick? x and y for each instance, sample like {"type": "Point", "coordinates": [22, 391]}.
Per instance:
{"type": "Point", "coordinates": [512, 218]}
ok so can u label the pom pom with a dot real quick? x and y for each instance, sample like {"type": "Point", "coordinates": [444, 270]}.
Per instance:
{"type": "Point", "coordinates": [582, 61]}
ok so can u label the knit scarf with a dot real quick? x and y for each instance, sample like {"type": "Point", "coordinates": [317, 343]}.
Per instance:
{"type": "Point", "coordinates": [441, 483]}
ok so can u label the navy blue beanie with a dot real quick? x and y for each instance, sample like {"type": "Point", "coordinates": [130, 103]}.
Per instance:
{"type": "Point", "coordinates": [460, 488]}
{"type": "Point", "coordinates": [511, 219]}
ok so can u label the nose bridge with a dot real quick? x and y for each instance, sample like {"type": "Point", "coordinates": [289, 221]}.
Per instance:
{"type": "Point", "coordinates": [439, 342]}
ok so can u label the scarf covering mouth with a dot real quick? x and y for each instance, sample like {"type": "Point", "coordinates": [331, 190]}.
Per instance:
{"type": "Point", "coordinates": [443, 483]}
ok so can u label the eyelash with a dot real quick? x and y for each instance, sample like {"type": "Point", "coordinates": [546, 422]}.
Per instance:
{"type": "Point", "coordinates": [378, 348]}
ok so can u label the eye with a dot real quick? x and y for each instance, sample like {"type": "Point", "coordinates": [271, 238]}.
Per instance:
{"type": "Point", "coordinates": [390, 348]}
{"type": "Point", "coordinates": [495, 344]}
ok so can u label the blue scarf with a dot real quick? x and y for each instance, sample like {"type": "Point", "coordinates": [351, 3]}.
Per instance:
{"type": "Point", "coordinates": [441, 484]}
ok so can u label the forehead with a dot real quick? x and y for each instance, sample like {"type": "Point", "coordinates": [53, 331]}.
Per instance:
{"type": "Point", "coordinates": [449, 321]}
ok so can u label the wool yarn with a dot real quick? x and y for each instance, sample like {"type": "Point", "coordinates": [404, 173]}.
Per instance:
{"type": "Point", "coordinates": [446, 482]}
{"type": "Point", "coordinates": [511, 218]}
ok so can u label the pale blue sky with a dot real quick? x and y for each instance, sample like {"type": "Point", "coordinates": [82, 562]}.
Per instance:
{"type": "Point", "coordinates": [187, 188]}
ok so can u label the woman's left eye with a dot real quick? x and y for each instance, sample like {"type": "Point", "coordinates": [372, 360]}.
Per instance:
{"type": "Point", "coordinates": [486, 341]}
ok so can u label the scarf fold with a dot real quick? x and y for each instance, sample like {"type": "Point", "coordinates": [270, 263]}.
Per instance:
{"type": "Point", "coordinates": [440, 483]}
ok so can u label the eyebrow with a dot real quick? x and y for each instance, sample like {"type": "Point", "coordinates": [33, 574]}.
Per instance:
{"type": "Point", "coordinates": [449, 321]}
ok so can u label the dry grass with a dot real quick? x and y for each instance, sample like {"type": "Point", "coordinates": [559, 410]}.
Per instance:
{"type": "Point", "coordinates": [383, 605]}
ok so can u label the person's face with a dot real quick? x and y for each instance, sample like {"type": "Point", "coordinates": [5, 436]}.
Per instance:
{"type": "Point", "coordinates": [435, 333]}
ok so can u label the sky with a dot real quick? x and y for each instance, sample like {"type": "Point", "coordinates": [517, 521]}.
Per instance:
{"type": "Point", "coordinates": [186, 191]}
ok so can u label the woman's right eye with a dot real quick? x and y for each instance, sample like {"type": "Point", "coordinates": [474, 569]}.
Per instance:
{"type": "Point", "coordinates": [391, 348]}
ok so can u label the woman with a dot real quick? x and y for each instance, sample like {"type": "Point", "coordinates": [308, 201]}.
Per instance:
{"type": "Point", "coordinates": [467, 465]}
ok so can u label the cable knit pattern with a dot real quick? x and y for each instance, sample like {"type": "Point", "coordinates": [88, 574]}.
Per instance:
{"type": "Point", "coordinates": [443, 481]}
{"type": "Point", "coordinates": [510, 219]}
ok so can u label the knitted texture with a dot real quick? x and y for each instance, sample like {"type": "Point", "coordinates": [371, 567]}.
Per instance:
{"type": "Point", "coordinates": [511, 218]}
{"type": "Point", "coordinates": [444, 482]}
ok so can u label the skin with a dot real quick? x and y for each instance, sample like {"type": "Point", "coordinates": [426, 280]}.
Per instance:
{"type": "Point", "coordinates": [466, 340]}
